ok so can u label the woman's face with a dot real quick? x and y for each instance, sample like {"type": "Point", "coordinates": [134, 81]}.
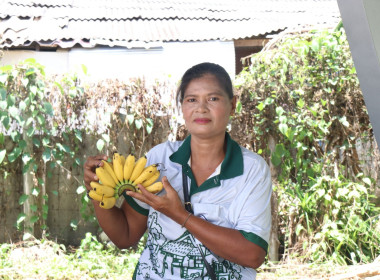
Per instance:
{"type": "Point", "coordinates": [206, 107]}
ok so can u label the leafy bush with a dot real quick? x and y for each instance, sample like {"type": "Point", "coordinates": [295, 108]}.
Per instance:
{"type": "Point", "coordinates": [302, 109]}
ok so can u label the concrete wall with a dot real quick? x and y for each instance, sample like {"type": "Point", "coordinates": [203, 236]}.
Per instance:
{"type": "Point", "coordinates": [65, 206]}
{"type": "Point", "coordinates": [168, 59]}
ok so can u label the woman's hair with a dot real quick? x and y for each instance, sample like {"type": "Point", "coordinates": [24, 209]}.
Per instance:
{"type": "Point", "coordinates": [200, 70]}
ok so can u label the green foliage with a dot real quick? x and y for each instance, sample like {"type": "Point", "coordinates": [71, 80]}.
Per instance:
{"type": "Point", "coordinates": [49, 260]}
{"type": "Point", "coordinates": [334, 219]}
{"type": "Point", "coordinates": [101, 260]}
{"type": "Point", "coordinates": [27, 117]}
{"type": "Point", "coordinates": [302, 110]}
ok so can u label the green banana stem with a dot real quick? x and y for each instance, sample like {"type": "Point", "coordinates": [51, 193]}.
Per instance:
{"type": "Point", "coordinates": [121, 188]}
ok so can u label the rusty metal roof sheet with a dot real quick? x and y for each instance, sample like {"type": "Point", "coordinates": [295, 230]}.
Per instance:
{"type": "Point", "coordinates": [65, 23]}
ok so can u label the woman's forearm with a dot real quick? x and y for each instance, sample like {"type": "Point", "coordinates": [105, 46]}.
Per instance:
{"type": "Point", "coordinates": [227, 243]}
{"type": "Point", "coordinates": [123, 226]}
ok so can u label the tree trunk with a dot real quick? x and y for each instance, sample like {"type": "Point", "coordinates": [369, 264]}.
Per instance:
{"type": "Point", "coordinates": [273, 239]}
{"type": "Point", "coordinates": [28, 186]}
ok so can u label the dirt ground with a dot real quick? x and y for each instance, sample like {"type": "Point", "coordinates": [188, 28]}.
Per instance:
{"type": "Point", "coordinates": [324, 272]}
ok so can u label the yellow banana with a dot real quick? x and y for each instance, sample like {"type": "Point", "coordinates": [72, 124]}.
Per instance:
{"type": "Point", "coordinates": [95, 196]}
{"type": "Point", "coordinates": [128, 166]}
{"type": "Point", "coordinates": [118, 166]}
{"type": "Point", "coordinates": [104, 177]}
{"type": "Point", "coordinates": [109, 168]}
{"type": "Point", "coordinates": [155, 188]}
{"type": "Point", "coordinates": [124, 173]}
{"type": "Point", "coordinates": [139, 167]}
{"type": "Point", "coordinates": [102, 190]}
{"type": "Point", "coordinates": [146, 174]}
{"type": "Point", "coordinates": [151, 180]}
{"type": "Point", "coordinates": [107, 202]}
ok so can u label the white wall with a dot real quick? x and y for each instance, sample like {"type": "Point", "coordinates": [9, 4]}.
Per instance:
{"type": "Point", "coordinates": [171, 59]}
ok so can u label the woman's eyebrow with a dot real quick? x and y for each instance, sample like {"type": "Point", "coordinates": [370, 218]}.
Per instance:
{"type": "Point", "coordinates": [208, 94]}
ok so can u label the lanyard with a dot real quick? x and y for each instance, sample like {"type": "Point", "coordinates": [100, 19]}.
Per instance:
{"type": "Point", "coordinates": [189, 208]}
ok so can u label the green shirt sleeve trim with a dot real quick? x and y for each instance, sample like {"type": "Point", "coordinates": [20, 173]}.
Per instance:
{"type": "Point", "coordinates": [135, 206]}
{"type": "Point", "coordinates": [255, 239]}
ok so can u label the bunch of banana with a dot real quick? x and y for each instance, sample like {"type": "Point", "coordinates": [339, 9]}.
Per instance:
{"type": "Point", "coordinates": [123, 174]}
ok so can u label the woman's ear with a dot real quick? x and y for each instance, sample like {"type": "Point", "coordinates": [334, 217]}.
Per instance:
{"type": "Point", "coordinates": [233, 103]}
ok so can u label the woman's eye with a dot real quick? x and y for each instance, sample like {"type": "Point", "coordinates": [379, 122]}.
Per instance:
{"type": "Point", "coordinates": [191, 100]}
{"type": "Point", "coordinates": [213, 98]}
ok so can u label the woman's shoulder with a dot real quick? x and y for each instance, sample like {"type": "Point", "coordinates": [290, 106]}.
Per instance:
{"type": "Point", "coordinates": [253, 159]}
{"type": "Point", "coordinates": [163, 150]}
{"type": "Point", "coordinates": [166, 146]}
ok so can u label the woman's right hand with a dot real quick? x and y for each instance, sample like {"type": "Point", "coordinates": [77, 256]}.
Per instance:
{"type": "Point", "coordinates": [89, 169]}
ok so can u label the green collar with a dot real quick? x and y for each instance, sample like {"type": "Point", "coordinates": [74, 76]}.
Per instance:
{"type": "Point", "coordinates": [232, 165]}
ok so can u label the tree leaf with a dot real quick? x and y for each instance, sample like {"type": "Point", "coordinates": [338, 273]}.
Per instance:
{"type": "Point", "coordinates": [48, 109]}
{"type": "Point", "coordinates": [3, 105]}
{"type": "Point", "coordinates": [25, 82]}
{"type": "Point", "coordinates": [74, 224]}
{"type": "Point", "coordinates": [3, 77]}
{"type": "Point", "coordinates": [22, 199]}
{"type": "Point", "coordinates": [239, 107]}
{"type": "Point", "coordinates": [36, 191]}
{"type": "Point", "coordinates": [283, 127]}
{"type": "Point", "coordinates": [34, 219]}
{"type": "Point", "coordinates": [149, 126]}
{"type": "Point", "coordinates": [106, 137]}
{"type": "Point", "coordinates": [26, 158]}
{"type": "Point", "coordinates": [78, 135]}
{"type": "Point", "coordinates": [13, 111]}
{"type": "Point", "coordinates": [33, 89]}
{"type": "Point", "coordinates": [2, 155]}
{"type": "Point", "coordinates": [16, 152]}
{"type": "Point", "coordinates": [46, 155]}
{"type": "Point", "coordinates": [20, 218]}
{"type": "Point", "coordinates": [36, 142]}
{"type": "Point", "coordinates": [276, 160]}
{"type": "Point", "coordinates": [100, 144]}
{"type": "Point", "coordinates": [6, 121]}
{"type": "Point", "coordinates": [138, 123]}
{"type": "Point", "coordinates": [30, 131]}
{"type": "Point", "coordinates": [130, 118]}
{"type": "Point", "coordinates": [81, 189]}
{"type": "Point", "coordinates": [40, 119]}
{"type": "Point", "coordinates": [365, 180]}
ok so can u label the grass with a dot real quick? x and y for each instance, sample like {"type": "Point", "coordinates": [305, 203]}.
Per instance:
{"type": "Point", "coordinates": [48, 260]}
{"type": "Point", "coordinates": [44, 259]}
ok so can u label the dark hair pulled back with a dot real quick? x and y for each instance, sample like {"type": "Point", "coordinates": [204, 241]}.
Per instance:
{"type": "Point", "coordinates": [200, 70]}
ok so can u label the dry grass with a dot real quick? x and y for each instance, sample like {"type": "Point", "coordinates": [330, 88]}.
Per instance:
{"type": "Point", "coordinates": [49, 260]}
{"type": "Point", "coordinates": [294, 270]}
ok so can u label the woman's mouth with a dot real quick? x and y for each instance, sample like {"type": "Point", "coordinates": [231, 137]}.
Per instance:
{"type": "Point", "coordinates": [202, 120]}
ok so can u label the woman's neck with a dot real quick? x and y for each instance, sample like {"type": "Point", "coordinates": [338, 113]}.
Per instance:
{"type": "Point", "coordinates": [206, 155]}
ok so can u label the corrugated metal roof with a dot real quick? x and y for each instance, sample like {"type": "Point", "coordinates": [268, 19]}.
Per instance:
{"type": "Point", "coordinates": [64, 23]}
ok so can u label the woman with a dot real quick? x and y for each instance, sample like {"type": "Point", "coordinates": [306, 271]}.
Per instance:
{"type": "Point", "coordinates": [229, 189]}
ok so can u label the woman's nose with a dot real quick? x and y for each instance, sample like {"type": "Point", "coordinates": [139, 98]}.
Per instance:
{"type": "Point", "coordinates": [202, 106]}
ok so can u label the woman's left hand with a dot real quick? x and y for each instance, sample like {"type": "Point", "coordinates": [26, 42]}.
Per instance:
{"type": "Point", "coordinates": [169, 204]}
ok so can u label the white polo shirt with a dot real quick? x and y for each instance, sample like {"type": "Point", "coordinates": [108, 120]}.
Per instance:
{"type": "Point", "coordinates": [237, 197]}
